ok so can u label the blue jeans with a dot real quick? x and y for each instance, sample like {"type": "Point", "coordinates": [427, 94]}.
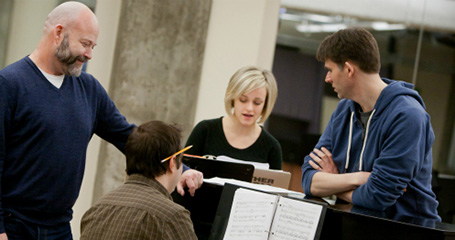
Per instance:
{"type": "Point", "coordinates": [17, 229]}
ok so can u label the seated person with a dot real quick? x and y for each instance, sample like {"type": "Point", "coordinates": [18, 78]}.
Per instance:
{"type": "Point", "coordinates": [376, 149]}
{"type": "Point", "coordinates": [249, 100]}
{"type": "Point", "coordinates": [142, 208]}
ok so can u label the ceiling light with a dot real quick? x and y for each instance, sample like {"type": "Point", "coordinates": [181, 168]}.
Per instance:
{"type": "Point", "coordinates": [314, 28]}
{"type": "Point", "coordinates": [384, 26]}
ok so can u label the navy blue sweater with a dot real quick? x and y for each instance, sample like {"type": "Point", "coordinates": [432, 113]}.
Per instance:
{"type": "Point", "coordinates": [44, 133]}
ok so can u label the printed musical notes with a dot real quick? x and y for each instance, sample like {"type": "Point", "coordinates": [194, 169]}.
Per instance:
{"type": "Point", "coordinates": [295, 220]}
{"type": "Point", "coordinates": [260, 216]}
{"type": "Point", "coordinates": [251, 215]}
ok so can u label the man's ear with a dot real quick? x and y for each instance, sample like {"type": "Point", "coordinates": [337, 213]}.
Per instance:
{"type": "Point", "coordinates": [58, 34]}
{"type": "Point", "coordinates": [349, 68]}
{"type": "Point", "coordinates": [172, 163]}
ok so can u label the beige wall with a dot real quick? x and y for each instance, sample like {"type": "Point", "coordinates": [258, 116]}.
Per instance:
{"type": "Point", "coordinates": [329, 104]}
{"type": "Point", "coordinates": [27, 22]}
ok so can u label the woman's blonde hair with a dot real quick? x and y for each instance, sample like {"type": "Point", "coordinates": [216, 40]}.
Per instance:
{"type": "Point", "coordinates": [247, 79]}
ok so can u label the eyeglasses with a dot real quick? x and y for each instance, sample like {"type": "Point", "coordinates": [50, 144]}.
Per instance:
{"type": "Point", "coordinates": [177, 153]}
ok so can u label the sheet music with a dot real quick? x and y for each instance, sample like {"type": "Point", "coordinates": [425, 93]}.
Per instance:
{"type": "Point", "coordinates": [295, 219]}
{"type": "Point", "coordinates": [251, 215]}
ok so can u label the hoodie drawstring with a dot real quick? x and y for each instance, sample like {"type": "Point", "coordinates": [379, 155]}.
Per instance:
{"type": "Point", "coordinates": [364, 141]}
{"type": "Point", "coordinates": [349, 142]}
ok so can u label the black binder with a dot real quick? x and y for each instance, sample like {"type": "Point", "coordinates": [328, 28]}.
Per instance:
{"type": "Point", "coordinates": [214, 168]}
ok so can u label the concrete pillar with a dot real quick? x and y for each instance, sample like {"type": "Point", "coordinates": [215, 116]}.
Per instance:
{"type": "Point", "coordinates": [156, 70]}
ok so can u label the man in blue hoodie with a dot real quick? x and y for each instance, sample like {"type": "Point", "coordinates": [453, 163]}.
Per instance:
{"type": "Point", "coordinates": [376, 149]}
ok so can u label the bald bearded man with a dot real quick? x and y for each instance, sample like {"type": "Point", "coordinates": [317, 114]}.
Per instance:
{"type": "Point", "coordinates": [49, 110]}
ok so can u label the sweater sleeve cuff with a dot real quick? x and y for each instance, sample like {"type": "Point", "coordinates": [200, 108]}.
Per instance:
{"type": "Point", "coordinates": [306, 181]}
{"type": "Point", "coordinates": [185, 167]}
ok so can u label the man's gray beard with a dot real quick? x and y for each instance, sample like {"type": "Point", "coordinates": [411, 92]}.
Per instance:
{"type": "Point", "coordinates": [72, 70]}
{"type": "Point", "coordinates": [67, 60]}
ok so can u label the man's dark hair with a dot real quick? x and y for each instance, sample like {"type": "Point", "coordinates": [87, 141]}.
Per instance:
{"type": "Point", "coordinates": [354, 44]}
{"type": "Point", "coordinates": [150, 143]}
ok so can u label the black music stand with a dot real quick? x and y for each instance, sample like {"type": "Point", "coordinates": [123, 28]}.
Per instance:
{"type": "Point", "coordinates": [204, 204]}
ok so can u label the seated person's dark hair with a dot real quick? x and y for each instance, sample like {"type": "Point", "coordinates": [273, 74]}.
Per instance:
{"type": "Point", "coordinates": [150, 143]}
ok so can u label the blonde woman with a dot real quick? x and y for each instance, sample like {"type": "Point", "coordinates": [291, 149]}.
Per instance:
{"type": "Point", "coordinates": [249, 100]}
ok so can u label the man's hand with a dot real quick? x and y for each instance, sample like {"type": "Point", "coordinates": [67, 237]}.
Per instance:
{"type": "Point", "coordinates": [3, 236]}
{"type": "Point", "coordinates": [192, 179]}
{"type": "Point", "coordinates": [324, 161]}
